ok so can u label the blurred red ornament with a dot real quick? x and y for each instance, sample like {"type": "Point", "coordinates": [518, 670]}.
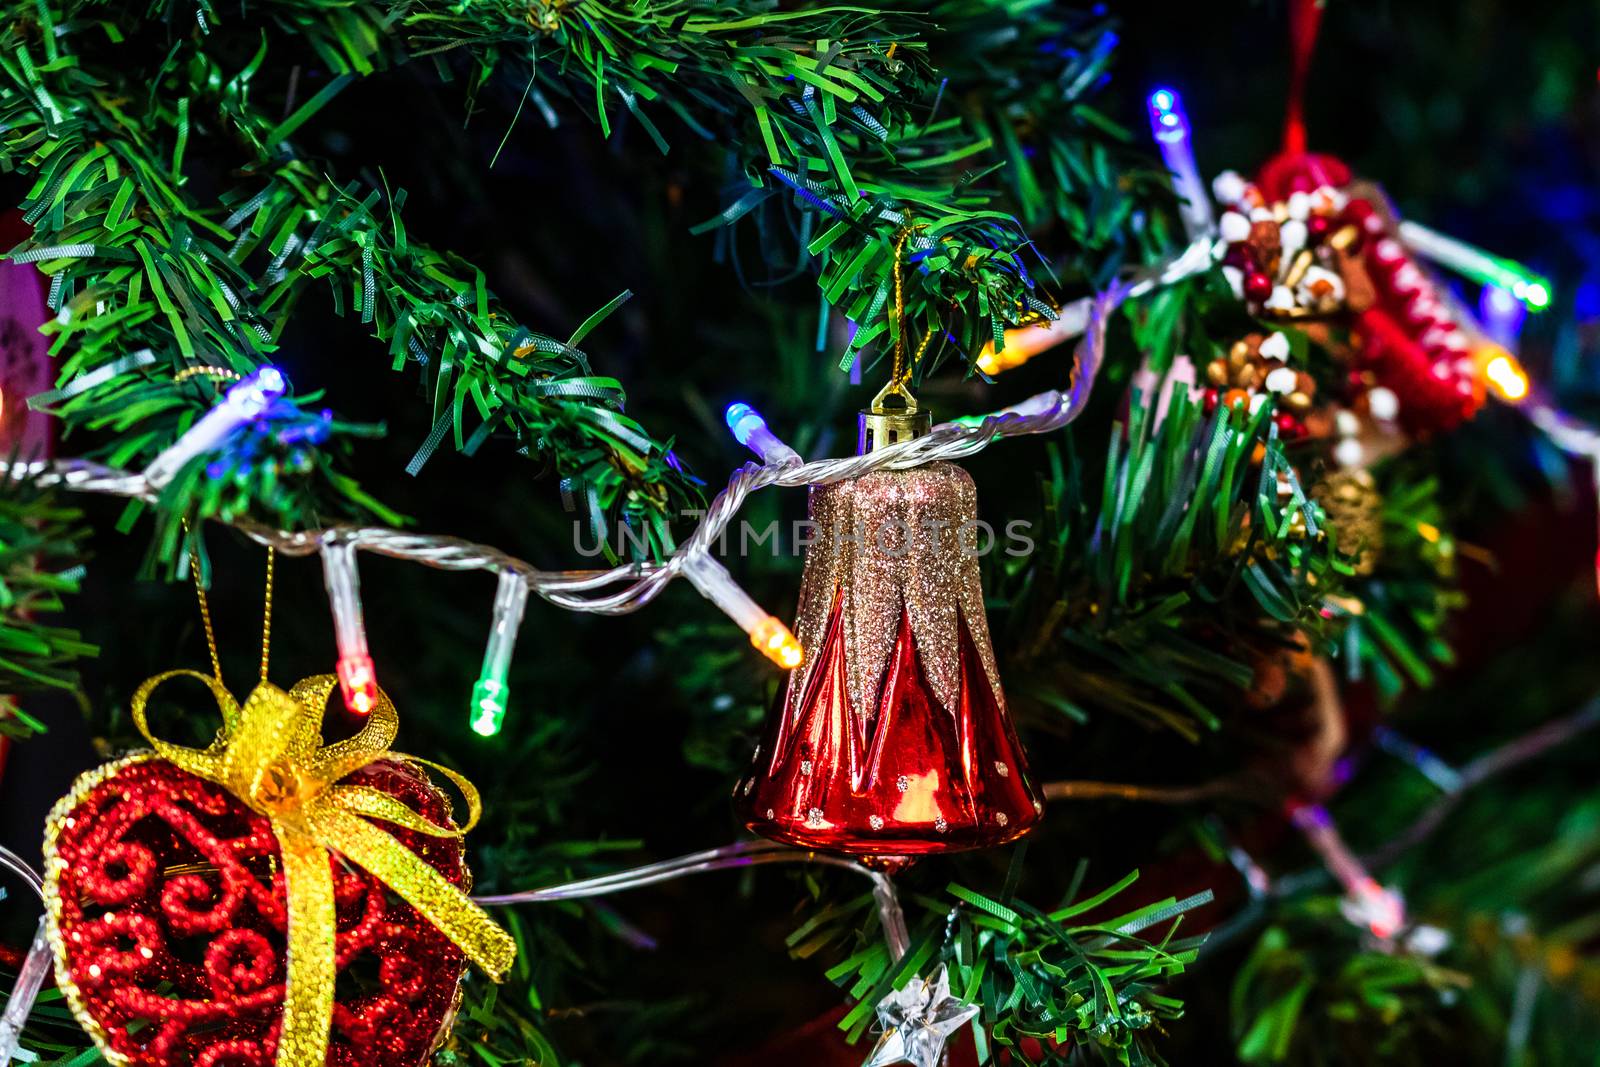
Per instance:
{"type": "Point", "coordinates": [1300, 172]}
{"type": "Point", "coordinates": [1408, 341]}
{"type": "Point", "coordinates": [1429, 403]}
{"type": "Point", "coordinates": [894, 739]}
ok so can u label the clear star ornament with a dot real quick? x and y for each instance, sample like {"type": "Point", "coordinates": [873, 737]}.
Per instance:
{"type": "Point", "coordinates": [917, 1019]}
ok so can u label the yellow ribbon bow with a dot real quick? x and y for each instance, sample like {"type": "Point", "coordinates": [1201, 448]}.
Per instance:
{"type": "Point", "coordinates": [270, 755]}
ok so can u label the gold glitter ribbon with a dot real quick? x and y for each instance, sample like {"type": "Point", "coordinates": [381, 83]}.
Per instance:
{"type": "Point", "coordinates": [270, 755]}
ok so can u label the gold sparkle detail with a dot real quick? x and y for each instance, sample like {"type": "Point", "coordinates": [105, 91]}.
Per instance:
{"type": "Point", "coordinates": [1354, 508]}
{"type": "Point", "coordinates": [890, 542]}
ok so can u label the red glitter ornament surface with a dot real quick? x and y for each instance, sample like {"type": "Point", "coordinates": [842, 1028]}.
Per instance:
{"type": "Point", "coordinates": [912, 779]}
{"type": "Point", "coordinates": [171, 913]}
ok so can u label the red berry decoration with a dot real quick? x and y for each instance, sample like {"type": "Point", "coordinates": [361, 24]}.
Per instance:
{"type": "Point", "coordinates": [1257, 286]}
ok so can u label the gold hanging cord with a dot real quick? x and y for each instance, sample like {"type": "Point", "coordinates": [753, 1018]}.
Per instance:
{"type": "Point", "coordinates": [205, 610]}
{"type": "Point", "coordinates": [894, 415]}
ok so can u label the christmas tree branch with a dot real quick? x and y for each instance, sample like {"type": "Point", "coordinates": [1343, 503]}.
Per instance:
{"type": "Point", "coordinates": [835, 106]}
{"type": "Point", "coordinates": [139, 266]}
{"type": "Point", "coordinates": [1193, 516]}
{"type": "Point", "coordinates": [1047, 981]}
{"type": "Point", "coordinates": [1489, 765]}
{"type": "Point", "coordinates": [1023, 73]}
{"type": "Point", "coordinates": [40, 545]}
{"type": "Point", "coordinates": [1393, 617]}
{"type": "Point", "coordinates": [195, 280]}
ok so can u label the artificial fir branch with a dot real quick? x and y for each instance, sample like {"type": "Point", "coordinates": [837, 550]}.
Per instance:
{"type": "Point", "coordinates": [1024, 75]}
{"type": "Point", "coordinates": [846, 102]}
{"type": "Point", "coordinates": [41, 551]}
{"type": "Point", "coordinates": [1312, 982]}
{"type": "Point", "coordinates": [139, 266]}
{"type": "Point", "coordinates": [1051, 982]}
{"type": "Point", "coordinates": [852, 113]}
{"type": "Point", "coordinates": [1392, 627]}
{"type": "Point", "coordinates": [1184, 546]}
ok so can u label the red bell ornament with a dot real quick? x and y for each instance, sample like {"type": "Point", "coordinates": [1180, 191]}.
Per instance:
{"type": "Point", "coordinates": [894, 738]}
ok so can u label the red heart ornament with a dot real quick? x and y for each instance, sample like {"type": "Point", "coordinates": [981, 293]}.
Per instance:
{"type": "Point", "coordinates": [167, 914]}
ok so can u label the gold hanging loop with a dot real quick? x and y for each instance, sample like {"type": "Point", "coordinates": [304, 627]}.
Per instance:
{"type": "Point", "coordinates": [894, 415]}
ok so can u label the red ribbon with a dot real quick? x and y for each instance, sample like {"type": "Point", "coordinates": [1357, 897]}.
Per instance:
{"type": "Point", "coordinates": [1305, 17]}
{"type": "Point", "coordinates": [1294, 169]}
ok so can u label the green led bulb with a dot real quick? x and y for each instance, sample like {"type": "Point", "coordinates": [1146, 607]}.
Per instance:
{"type": "Point", "coordinates": [488, 706]}
{"type": "Point", "coordinates": [488, 709]}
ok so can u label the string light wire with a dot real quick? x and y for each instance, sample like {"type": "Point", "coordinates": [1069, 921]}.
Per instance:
{"type": "Point", "coordinates": [629, 587]}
